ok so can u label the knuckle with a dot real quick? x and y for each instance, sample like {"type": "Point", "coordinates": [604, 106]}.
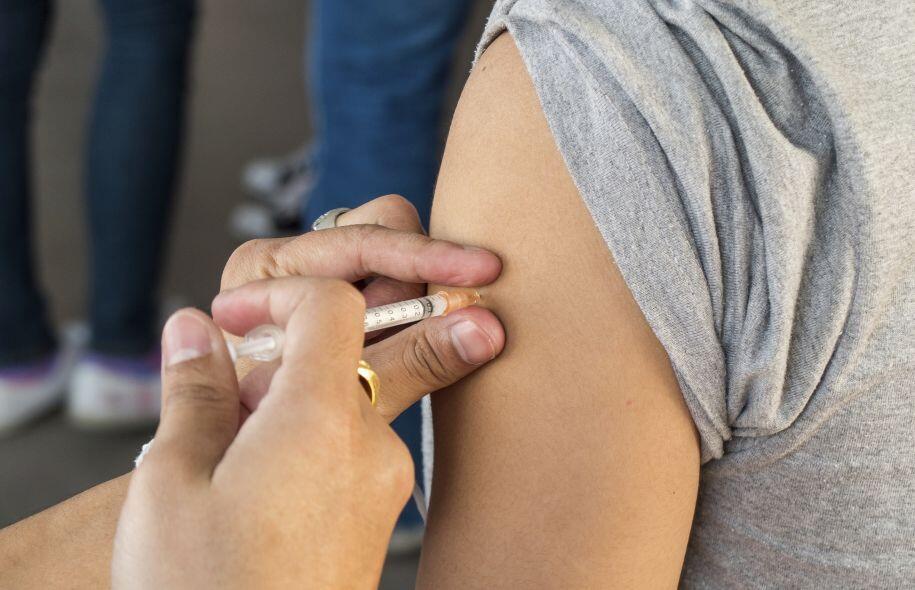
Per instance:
{"type": "Point", "coordinates": [251, 261]}
{"type": "Point", "coordinates": [395, 201]}
{"type": "Point", "coordinates": [361, 239]}
{"type": "Point", "coordinates": [335, 301]}
{"type": "Point", "coordinates": [365, 233]}
{"type": "Point", "coordinates": [149, 473]}
{"type": "Point", "coordinates": [346, 294]}
{"type": "Point", "coordinates": [342, 295]}
{"type": "Point", "coordinates": [426, 246]}
{"type": "Point", "coordinates": [161, 470]}
{"type": "Point", "coordinates": [397, 211]}
{"type": "Point", "coordinates": [423, 362]}
{"type": "Point", "coordinates": [293, 256]}
{"type": "Point", "coordinates": [343, 429]}
{"type": "Point", "coordinates": [195, 394]}
{"type": "Point", "coordinates": [398, 468]}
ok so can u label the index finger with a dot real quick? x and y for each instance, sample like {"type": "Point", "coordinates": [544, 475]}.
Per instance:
{"type": "Point", "coordinates": [321, 318]}
{"type": "Point", "coordinates": [357, 252]}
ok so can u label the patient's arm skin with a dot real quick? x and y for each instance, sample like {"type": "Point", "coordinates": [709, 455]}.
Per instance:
{"type": "Point", "coordinates": [571, 461]}
{"type": "Point", "coordinates": [67, 546]}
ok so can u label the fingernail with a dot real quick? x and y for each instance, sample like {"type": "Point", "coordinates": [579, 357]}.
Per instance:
{"type": "Point", "coordinates": [472, 343]}
{"type": "Point", "coordinates": [185, 338]}
{"type": "Point", "coordinates": [473, 248]}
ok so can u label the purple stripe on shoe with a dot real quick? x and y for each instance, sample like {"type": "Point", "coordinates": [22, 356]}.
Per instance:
{"type": "Point", "coordinates": [136, 366]}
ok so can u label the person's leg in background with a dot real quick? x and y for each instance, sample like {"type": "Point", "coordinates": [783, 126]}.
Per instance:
{"type": "Point", "coordinates": [379, 73]}
{"type": "Point", "coordinates": [32, 377]}
{"type": "Point", "coordinates": [134, 151]}
{"type": "Point", "coordinates": [24, 331]}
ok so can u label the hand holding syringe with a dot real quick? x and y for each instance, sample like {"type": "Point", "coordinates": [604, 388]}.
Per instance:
{"type": "Point", "coordinates": [459, 344]}
{"type": "Point", "coordinates": [265, 343]}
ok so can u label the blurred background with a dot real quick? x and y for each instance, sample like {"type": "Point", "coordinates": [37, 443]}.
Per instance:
{"type": "Point", "coordinates": [248, 99]}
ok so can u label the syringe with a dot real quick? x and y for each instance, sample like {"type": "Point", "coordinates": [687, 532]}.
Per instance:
{"type": "Point", "coordinates": [265, 343]}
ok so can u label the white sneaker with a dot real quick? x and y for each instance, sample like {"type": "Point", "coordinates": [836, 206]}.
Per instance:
{"type": "Point", "coordinates": [277, 214]}
{"type": "Point", "coordinates": [254, 221]}
{"type": "Point", "coordinates": [110, 393]}
{"type": "Point", "coordinates": [264, 177]}
{"type": "Point", "coordinates": [30, 391]}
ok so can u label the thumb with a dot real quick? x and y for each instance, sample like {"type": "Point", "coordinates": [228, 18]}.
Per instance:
{"type": "Point", "coordinates": [199, 395]}
{"type": "Point", "coordinates": [431, 355]}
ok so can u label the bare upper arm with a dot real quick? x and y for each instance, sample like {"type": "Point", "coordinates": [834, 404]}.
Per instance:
{"type": "Point", "coordinates": [572, 460]}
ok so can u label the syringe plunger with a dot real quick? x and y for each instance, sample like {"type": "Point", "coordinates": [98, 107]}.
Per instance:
{"type": "Point", "coordinates": [263, 343]}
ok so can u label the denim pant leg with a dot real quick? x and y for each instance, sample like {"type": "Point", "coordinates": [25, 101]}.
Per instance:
{"type": "Point", "coordinates": [379, 74]}
{"type": "Point", "coordinates": [24, 329]}
{"type": "Point", "coordinates": [134, 148]}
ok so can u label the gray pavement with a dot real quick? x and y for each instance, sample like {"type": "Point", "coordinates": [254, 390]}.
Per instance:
{"type": "Point", "coordinates": [248, 100]}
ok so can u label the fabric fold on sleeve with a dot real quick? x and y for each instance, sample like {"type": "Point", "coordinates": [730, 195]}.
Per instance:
{"type": "Point", "coordinates": [624, 177]}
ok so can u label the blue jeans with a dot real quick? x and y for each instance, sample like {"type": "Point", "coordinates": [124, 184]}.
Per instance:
{"type": "Point", "coordinates": [379, 75]}
{"type": "Point", "coordinates": [133, 153]}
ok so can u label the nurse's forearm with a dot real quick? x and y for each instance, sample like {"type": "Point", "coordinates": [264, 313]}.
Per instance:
{"type": "Point", "coordinates": [67, 545]}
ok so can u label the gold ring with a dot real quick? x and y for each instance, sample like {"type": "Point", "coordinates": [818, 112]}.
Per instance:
{"type": "Point", "coordinates": [370, 381]}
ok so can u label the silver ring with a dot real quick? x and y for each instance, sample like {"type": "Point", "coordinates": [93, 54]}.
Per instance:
{"type": "Point", "coordinates": [329, 219]}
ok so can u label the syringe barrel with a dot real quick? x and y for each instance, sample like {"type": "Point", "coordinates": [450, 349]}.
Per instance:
{"type": "Point", "coordinates": [265, 343]}
{"type": "Point", "coordinates": [404, 312]}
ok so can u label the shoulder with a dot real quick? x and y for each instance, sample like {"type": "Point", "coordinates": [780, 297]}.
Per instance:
{"type": "Point", "coordinates": [582, 409]}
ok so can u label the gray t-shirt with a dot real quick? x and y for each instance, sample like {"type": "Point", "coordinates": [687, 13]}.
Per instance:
{"type": "Point", "coordinates": [750, 165]}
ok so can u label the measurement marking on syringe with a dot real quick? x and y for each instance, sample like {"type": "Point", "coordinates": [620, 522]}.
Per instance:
{"type": "Point", "coordinates": [403, 312]}
{"type": "Point", "coordinates": [266, 342]}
